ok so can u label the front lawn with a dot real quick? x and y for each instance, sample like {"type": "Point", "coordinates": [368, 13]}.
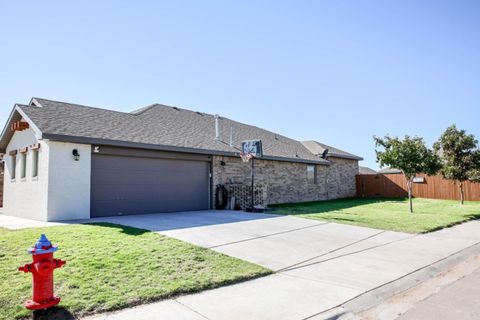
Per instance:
{"type": "Point", "coordinates": [111, 267]}
{"type": "Point", "coordinates": [387, 214]}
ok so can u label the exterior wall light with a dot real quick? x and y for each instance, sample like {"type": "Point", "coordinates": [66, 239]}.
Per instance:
{"type": "Point", "coordinates": [76, 155]}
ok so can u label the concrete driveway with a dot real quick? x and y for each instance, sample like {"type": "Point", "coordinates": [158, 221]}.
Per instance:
{"type": "Point", "coordinates": [275, 242]}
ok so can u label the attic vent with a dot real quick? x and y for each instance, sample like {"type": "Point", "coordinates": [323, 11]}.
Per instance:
{"type": "Point", "coordinates": [276, 137]}
{"type": "Point", "coordinates": [176, 108]}
{"type": "Point", "coordinates": [198, 112]}
{"type": "Point", "coordinates": [19, 126]}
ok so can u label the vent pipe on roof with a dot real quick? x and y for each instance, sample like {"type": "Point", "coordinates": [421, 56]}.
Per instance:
{"type": "Point", "coordinates": [217, 128]}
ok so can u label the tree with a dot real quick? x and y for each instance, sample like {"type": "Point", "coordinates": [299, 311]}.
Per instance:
{"type": "Point", "coordinates": [460, 157]}
{"type": "Point", "coordinates": [410, 155]}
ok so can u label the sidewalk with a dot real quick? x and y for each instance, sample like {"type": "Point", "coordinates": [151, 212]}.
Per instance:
{"type": "Point", "coordinates": [460, 300]}
{"type": "Point", "coordinates": [309, 289]}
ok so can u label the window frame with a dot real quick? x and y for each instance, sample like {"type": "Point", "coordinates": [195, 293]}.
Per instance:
{"type": "Point", "coordinates": [23, 165]}
{"type": "Point", "coordinates": [13, 172]}
{"type": "Point", "coordinates": [309, 179]}
{"type": "Point", "coordinates": [35, 160]}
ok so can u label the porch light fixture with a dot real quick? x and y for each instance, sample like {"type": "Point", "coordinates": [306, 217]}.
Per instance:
{"type": "Point", "coordinates": [76, 155]}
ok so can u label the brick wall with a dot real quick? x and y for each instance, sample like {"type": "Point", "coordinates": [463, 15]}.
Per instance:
{"type": "Point", "coordinates": [341, 178]}
{"type": "Point", "coordinates": [287, 181]}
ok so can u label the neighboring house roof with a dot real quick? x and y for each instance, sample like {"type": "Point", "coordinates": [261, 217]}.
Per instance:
{"type": "Point", "coordinates": [389, 170]}
{"type": "Point", "coordinates": [366, 170]}
{"type": "Point", "coordinates": [318, 148]}
{"type": "Point", "coordinates": [153, 127]}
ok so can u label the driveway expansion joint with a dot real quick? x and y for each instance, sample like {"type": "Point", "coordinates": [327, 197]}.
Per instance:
{"type": "Point", "coordinates": [191, 309]}
{"type": "Point", "coordinates": [318, 281]}
{"type": "Point", "coordinates": [268, 235]}
{"type": "Point", "coordinates": [302, 264]}
{"type": "Point", "coordinates": [347, 254]}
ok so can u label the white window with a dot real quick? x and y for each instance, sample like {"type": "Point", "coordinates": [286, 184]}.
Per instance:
{"type": "Point", "coordinates": [14, 167]}
{"type": "Point", "coordinates": [35, 163]}
{"type": "Point", "coordinates": [312, 174]}
{"type": "Point", "coordinates": [23, 172]}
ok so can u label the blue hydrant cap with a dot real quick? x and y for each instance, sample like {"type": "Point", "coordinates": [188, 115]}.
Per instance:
{"type": "Point", "coordinates": [43, 245]}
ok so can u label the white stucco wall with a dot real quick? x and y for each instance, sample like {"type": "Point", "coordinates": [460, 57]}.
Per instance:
{"type": "Point", "coordinates": [69, 181]}
{"type": "Point", "coordinates": [61, 191]}
{"type": "Point", "coordinates": [26, 198]}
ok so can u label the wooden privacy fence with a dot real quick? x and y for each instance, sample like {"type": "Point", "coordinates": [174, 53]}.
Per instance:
{"type": "Point", "coordinates": [394, 186]}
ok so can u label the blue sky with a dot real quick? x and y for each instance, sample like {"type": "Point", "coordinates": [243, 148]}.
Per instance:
{"type": "Point", "coordinates": [334, 71]}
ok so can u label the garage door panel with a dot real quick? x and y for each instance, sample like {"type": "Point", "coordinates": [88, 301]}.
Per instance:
{"type": "Point", "coordinates": [123, 193]}
{"type": "Point", "coordinates": [172, 179]}
{"type": "Point", "coordinates": [134, 185]}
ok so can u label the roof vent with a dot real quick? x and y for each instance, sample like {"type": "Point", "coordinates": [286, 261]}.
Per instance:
{"type": "Point", "coordinates": [217, 128]}
{"type": "Point", "coordinates": [176, 108]}
{"type": "Point", "coordinates": [198, 112]}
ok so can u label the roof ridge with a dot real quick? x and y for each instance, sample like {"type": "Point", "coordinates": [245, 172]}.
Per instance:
{"type": "Point", "coordinates": [266, 130]}
{"type": "Point", "coordinates": [143, 109]}
{"type": "Point", "coordinates": [332, 151]}
{"type": "Point", "coordinates": [82, 105]}
{"type": "Point", "coordinates": [326, 145]}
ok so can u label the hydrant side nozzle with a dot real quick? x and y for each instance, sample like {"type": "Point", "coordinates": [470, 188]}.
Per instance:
{"type": "Point", "coordinates": [25, 268]}
{"type": "Point", "coordinates": [59, 263]}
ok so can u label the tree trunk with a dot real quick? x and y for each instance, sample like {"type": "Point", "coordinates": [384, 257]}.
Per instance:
{"type": "Point", "coordinates": [409, 187]}
{"type": "Point", "coordinates": [462, 196]}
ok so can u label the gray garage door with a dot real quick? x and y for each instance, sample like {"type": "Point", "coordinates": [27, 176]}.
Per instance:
{"type": "Point", "coordinates": [123, 185]}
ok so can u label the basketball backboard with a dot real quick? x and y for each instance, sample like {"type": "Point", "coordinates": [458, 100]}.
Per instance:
{"type": "Point", "coordinates": [253, 147]}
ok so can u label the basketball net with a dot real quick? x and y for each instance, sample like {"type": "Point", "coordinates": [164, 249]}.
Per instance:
{"type": "Point", "coordinates": [246, 156]}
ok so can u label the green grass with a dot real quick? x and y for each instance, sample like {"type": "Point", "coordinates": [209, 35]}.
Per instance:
{"type": "Point", "coordinates": [111, 267]}
{"type": "Point", "coordinates": [387, 214]}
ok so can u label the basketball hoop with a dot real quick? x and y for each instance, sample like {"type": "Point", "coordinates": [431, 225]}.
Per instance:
{"type": "Point", "coordinates": [246, 157]}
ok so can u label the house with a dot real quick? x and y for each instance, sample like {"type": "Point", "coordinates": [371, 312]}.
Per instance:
{"type": "Point", "coordinates": [389, 171]}
{"type": "Point", "coordinates": [366, 170]}
{"type": "Point", "coordinates": [66, 161]}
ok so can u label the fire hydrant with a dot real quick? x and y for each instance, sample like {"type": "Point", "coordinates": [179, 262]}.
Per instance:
{"type": "Point", "coordinates": [42, 270]}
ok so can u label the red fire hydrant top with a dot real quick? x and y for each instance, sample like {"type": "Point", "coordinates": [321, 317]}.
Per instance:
{"type": "Point", "coordinates": [43, 245]}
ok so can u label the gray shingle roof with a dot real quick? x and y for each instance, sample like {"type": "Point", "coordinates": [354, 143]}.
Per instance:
{"type": "Point", "coordinates": [156, 125]}
{"type": "Point", "coordinates": [366, 170]}
{"type": "Point", "coordinates": [318, 148]}
{"type": "Point", "coordinates": [389, 171]}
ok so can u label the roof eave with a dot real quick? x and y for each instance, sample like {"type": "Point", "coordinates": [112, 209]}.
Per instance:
{"type": "Point", "coordinates": [139, 145]}
{"type": "Point", "coordinates": [344, 156]}
{"type": "Point", "coordinates": [17, 108]}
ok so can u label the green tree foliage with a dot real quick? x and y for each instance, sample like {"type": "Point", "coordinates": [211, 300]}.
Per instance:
{"type": "Point", "coordinates": [410, 155]}
{"type": "Point", "coordinates": [460, 157]}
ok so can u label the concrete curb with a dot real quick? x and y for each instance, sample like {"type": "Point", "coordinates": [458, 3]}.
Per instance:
{"type": "Point", "coordinates": [380, 294]}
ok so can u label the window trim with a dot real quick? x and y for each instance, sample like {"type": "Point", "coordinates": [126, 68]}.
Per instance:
{"type": "Point", "coordinates": [23, 164]}
{"type": "Point", "coordinates": [35, 160]}
{"type": "Point", "coordinates": [13, 172]}
{"type": "Point", "coordinates": [314, 174]}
